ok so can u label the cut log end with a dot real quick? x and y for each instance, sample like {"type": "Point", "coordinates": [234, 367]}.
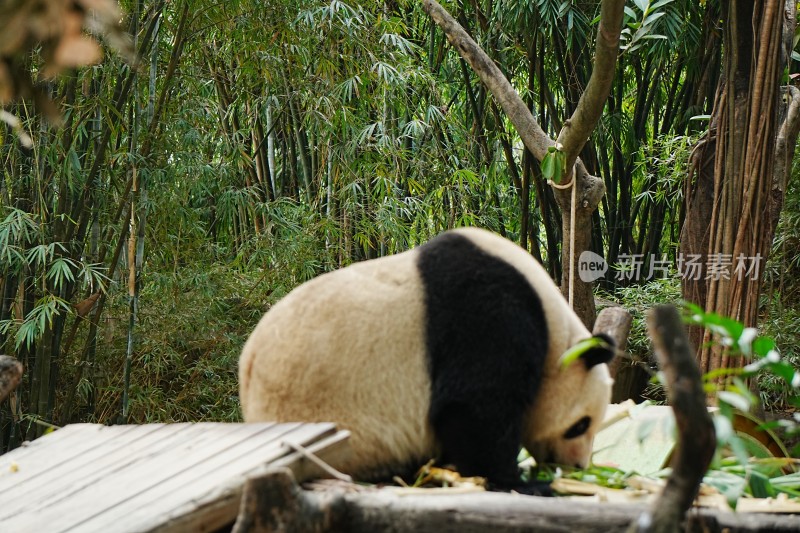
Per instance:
{"type": "Point", "coordinates": [614, 322]}
{"type": "Point", "coordinates": [10, 375]}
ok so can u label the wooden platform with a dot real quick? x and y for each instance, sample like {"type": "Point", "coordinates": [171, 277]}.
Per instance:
{"type": "Point", "coordinates": [155, 477]}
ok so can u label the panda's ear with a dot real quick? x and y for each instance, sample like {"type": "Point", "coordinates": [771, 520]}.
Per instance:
{"type": "Point", "coordinates": [591, 351]}
{"type": "Point", "coordinates": [602, 352]}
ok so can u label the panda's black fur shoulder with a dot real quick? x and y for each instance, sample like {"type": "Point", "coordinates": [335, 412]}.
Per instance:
{"type": "Point", "coordinates": [486, 339]}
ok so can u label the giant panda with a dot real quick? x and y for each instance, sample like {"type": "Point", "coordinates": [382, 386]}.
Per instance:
{"type": "Point", "coordinates": [450, 350]}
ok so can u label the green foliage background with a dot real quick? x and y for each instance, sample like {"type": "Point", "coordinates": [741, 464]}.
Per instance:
{"type": "Point", "coordinates": [273, 141]}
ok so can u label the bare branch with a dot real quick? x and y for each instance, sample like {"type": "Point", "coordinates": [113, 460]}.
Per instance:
{"type": "Point", "coordinates": [786, 140]}
{"type": "Point", "coordinates": [274, 502]}
{"type": "Point", "coordinates": [590, 189]}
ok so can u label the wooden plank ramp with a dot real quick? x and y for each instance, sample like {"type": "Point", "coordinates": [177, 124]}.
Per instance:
{"type": "Point", "coordinates": [153, 477]}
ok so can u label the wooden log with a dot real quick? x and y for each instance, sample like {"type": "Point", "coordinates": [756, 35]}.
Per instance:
{"type": "Point", "coordinates": [616, 323]}
{"type": "Point", "coordinates": [10, 375]}
{"type": "Point", "coordinates": [629, 378]}
{"type": "Point", "coordinates": [274, 502]}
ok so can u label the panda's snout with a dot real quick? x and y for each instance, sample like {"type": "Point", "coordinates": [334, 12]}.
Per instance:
{"type": "Point", "coordinates": [569, 453]}
{"type": "Point", "coordinates": [553, 458]}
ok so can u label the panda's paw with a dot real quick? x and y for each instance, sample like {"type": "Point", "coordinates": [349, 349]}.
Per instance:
{"type": "Point", "coordinates": [535, 488]}
{"type": "Point", "coordinates": [532, 488]}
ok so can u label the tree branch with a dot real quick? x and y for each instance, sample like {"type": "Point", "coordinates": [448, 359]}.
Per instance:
{"type": "Point", "coordinates": [696, 435]}
{"type": "Point", "coordinates": [590, 189]}
{"type": "Point", "coordinates": [786, 140]}
{"type": "Point", "coordinates": [577, 129]}
{"type": "Point", "coordinates": [274, 502]}
{"type": "Point", "coordinates": [616, 323]}
{"type": "Point", "coordinates": [532, 135]}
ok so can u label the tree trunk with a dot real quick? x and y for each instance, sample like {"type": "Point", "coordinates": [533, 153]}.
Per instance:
{"type": "Point", "coordinates": [589, 190]}
{"type": "Point", "coordinates": [741, 170]}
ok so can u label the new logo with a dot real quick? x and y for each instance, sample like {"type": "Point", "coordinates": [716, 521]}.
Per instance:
{"type": "Point", "coordinates": [591, 267]}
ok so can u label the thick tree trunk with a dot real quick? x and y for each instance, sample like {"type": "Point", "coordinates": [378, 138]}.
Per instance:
{"type": "Point", "coordinates": [741, 170]}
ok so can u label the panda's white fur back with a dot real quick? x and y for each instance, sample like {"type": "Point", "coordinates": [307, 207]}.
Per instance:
{"type": "Point", "coordinates": [349, 347]}
{"type": "Point", "coordinates": [294, 367]}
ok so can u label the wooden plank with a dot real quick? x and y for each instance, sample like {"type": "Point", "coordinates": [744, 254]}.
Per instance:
{"type": "Point", "coordinates": [220, 506]}
{"type": "Point", "coordinates": [33, 459]}
{"type": "Point", "coordinates": [65, 470]}
{"type": "Point", "coordinates": [192, 488]}
{"type": "Point", "coordinates": [64, 481]}
{"type": "Point", "coordinates": [59, 461]}
{"type": "Point", "coordinates": [110, 477]}
{"type": "Point", "coordinates": [176, 477]}
{"type": "Point", "coordinates": [145, 501]}
{"type": "Point", "coordinates": [27, 447]}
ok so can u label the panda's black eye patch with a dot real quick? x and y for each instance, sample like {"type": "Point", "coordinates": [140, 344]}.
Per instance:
{"type": "Point", "coordinates": [578, 428]}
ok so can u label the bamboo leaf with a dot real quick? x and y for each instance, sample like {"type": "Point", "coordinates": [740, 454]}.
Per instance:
{"type": "Point", "coordinates": [630, 12]}
{"type": "Point", "coordinates": [574, 353]}
{"type": "Point", "coordinates": [660, 4]}
{"type": "Point", "coordinates": [548, 166]}
{"type": "Point", "coordinates": [739, 401]}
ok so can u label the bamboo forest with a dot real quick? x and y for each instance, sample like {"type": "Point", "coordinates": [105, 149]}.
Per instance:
{"type": "Point", "coordinates": [165, 181]}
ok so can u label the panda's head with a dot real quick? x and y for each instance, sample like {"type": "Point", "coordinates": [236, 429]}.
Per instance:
{"type": "Point", "coordinates": [570, 407]}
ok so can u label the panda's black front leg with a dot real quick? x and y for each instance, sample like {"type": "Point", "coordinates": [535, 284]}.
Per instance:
{"type": "Point", "coordinates": [478, 446]}
{"type": "Point", "coordinates": [531, 488]}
